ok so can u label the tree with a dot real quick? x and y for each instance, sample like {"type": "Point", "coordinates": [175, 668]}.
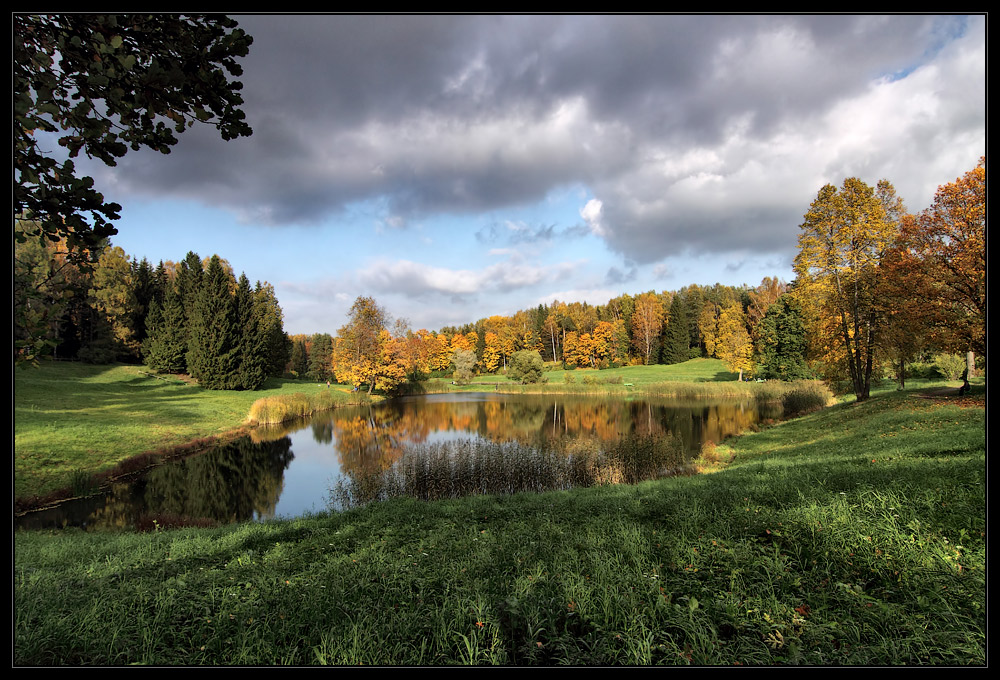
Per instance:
{"type": "Point", "coordinates": [526, 367]}
{"type": "Point", "coordinates": [113, 294]}
{"type": "Point", "coordinates": [252, 338]}
{"type": "Point", "coordinates": [845, 235]}
{"type": "Point", "coordinates": [465, 363]}
{"type": "Point", "coordinates": [647, 322]}
{"type": "Point", "coordinates": [213, 350]}
{"type": "Point", "coordinates": [166, 345]}
{"type": "Point", "coordinates": [107, 84]}
{"type": "Point", "coordinates": [947, 242]}
{"type": "Point", "coordinates": [733, 344]}
{"type": "Point", "coordinates": [781, 341]}
{"type": "Point", "coordinates": [360, 350]}
{"type": "Point", "coordinates": [678, 335]}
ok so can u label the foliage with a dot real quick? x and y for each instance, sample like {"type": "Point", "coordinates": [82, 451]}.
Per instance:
{"type": "Point", "coordinates": [108, 83]}
{"type": "Point", "coordinates": [947, 244]}
{"type": "Point", "coordinates": [647, 322]}
{"type": "Point", "coordinates": [526, 367]}
{"type": "Point", "coordinates": [166, 346]}
{"type": "Point", "coordinates": [465, 363]}
{"type": "Point", "coordinates": [781, 341]}
{"type": "Point", "coordinates": [950, 366]}
{"type": "Point", "coordinates": [677, 337]}
{"type": "Point", "coordinates": [845, 235]}
{"type": "Point", "coordinates": [733, 344]}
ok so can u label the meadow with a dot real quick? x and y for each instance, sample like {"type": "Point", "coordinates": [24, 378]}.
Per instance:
{"type": "Point", "coordinates": [851, 535]}
{"type": "Point", "coordinates": [73, 418]}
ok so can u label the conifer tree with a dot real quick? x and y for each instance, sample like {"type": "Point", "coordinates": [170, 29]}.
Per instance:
{"type": "Point", "coordinates": [213, 350]}
{"type": "Point", "coordinates": [166, 346]}
{"type": "Point", "coordinates": [252, 337]}
{"type": "Point", "coordinates": [678, 334]}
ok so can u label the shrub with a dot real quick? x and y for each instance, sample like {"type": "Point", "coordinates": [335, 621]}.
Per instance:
{"type": "Point", "coordinates": [805, 396]}
{"type": "Point", "coordinates": [950, 365]}
{"type": "Point", "coordinates": [525, 367]}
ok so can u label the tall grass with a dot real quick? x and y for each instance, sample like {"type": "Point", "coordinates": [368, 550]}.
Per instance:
{"type": "Point", "coordinates": [284, 407]}
{"type": "Point", "coordinates": [475, 466]}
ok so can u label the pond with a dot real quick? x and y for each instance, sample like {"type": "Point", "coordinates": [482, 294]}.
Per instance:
{"type": "Point", "coordinates": [429, 446]}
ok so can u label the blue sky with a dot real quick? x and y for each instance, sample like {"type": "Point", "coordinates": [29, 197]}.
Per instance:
{"type": "Point", "coordinates": [459, 167]}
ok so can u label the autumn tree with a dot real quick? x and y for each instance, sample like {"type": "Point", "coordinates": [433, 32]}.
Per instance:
{"type": "Point", "coordinates": [647, 322]}
{"type": "Point", "coordinates": [733, 344]}
{"type": "Point", "coordinates": [361, 350]}
{"type": "Point", "coordinates": [947, 244]}
{"type": "Point", "coordinates": [845, 235]}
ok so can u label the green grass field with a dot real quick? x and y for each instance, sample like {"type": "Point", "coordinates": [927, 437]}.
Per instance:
{"type": "Point", "coordinates": [851, 536]}
{"type": "Point", "coordinates": [71, 417]}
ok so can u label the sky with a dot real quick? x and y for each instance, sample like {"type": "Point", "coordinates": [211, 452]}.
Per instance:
{"type": "Point", "coordinates": [458, 167]}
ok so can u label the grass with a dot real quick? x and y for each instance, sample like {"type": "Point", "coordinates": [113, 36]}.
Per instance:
{"type": "Point", "coordinates": [851, 536]}
{"type": "Point", "coordinates": [73, 418]}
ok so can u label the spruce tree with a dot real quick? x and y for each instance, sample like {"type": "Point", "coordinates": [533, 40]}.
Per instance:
{"type": "Point", "coordinates": [166, 346]}
{"type": "Point", "coordinates": [213, 351]}
{"type": "Point", "coordinates": [252, 337]}
{"type": "Point", "coordinates": [678, 335]}
{"type": "Point", "coordinates": [279, 346]}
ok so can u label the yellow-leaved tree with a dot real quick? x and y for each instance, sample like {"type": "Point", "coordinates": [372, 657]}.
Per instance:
{"type": "Point", "coordinates": [733, 343]}
{"type": "Point", "coordinates": [846, 234]}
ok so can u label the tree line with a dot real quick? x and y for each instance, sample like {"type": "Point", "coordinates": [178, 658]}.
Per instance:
{"type": "Point", "coordinates": [193, 316]}
{"type": "Point", "coordinates": [876, 289]}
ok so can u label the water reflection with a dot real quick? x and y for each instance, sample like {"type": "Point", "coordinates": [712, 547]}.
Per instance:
{"type": "Point", "coordinates": [260, 476]}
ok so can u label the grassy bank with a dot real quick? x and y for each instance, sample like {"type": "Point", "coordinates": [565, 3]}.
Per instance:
{"type": "Point", "coordinates": [855, 535]}
{"type": "Point", "coordinates": [73, 417]}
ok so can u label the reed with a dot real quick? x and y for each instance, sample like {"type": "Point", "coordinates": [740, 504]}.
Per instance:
{"type": "Point", "coordinates": [281, 408]}
{"type": "Point", "coordinates": [470, 467]}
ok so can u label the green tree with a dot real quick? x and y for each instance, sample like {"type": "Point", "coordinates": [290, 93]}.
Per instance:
{"type": "Point", "coordinates": [252, 337]}
{"type": "Point", "coordinates": [781, 341]}
{"type": "Point", "coordinates": [465, 364]}
{"type": "Point", "coordinates": [526, 367]}
{"type": "Point", "coordinates": [299, 359]}
{"type": "Point", "coordinates": [106, 84]}
{"type": "Point", "coordinates": [213, 350]}
{"type": "Point", "coordinates": [166, 346]}
{"type": "Point", "coordinates": [677, 335]}
{"type": "Point", "coordinates": [321, 356]}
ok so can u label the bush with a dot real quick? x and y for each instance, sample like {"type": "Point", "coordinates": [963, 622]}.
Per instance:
{"type": "Point", "coordinates": [804, 397]}
{"type": "Point", "coordinates": [525, 367]}
{"type": "Point", "coordinates": [950, 366]}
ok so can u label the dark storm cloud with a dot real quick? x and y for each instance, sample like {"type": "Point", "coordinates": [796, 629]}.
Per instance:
{"type": "Point", "coordinates": [702, 132]}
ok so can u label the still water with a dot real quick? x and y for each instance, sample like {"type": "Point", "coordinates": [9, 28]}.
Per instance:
{"type": "Point", "coordinates": [313, 465]}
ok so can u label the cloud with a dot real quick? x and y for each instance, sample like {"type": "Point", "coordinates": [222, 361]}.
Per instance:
{"type": "Point", "coordinates": [691, 133]}
{"type": "Point", "coordinates": [416, 280]}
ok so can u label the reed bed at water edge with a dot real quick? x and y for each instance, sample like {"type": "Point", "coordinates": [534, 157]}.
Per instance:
{"type": "Point", "coordinates": [283, 407]}
{"type": "Point", "coordinates": [475, 466]}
